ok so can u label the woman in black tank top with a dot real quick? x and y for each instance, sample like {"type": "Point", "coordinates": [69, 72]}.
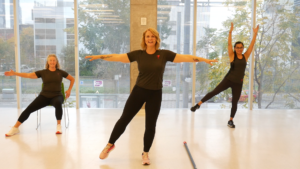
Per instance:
{"type": "Point", "coordinates": [235, 76]}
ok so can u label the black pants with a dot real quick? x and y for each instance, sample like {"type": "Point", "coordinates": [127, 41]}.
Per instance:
{"type": "Point", "coordinates": [134, 103]}
{"type": "Point", "coordinates": [40, 102]}
{"type": "Point", "coordinates": [225, 84]}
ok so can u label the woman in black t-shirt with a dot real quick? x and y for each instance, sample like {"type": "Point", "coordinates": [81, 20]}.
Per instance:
{"type": "Point", "coordinates": [50, 94]}
{"type": "Point", "coordinates": [235, 76]}
{"type": "Point", "coordinates": [148, 89]}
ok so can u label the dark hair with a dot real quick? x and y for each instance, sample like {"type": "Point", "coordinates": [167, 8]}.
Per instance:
{"type": "Point", "coordinates": [238, 42]}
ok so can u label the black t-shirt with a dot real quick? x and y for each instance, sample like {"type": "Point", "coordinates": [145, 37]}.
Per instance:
{"type": "Point", "coordinates": [51, 82]}
{"type": "Point", "coordinates": [151, 67]}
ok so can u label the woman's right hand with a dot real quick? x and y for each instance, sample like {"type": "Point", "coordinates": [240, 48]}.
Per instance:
{"type": "Point", "coordinates": [231, 28]}
{"type": "Point", "coordinates": [95, 57]}
{"type": "Point", "coordinates": [208, 61]}
{"type": "Point", "coordinates": [9, 73]}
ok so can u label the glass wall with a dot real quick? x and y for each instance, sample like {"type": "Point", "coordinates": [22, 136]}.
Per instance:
{"type": "Point", "coordinates": [47, 27]}
{"type": "Point", "coordinates": [277, 55]}
{"type": "Point", "coordinates": [175, 26]}
{"type": "Point", "coordinates": [7, 55]}
{"type": "Point", "coordinates": [104, 28]}
{"type": "Point", "coordinates": [44, 30]}
{"type": "Point", "coordinates": [212, 41]}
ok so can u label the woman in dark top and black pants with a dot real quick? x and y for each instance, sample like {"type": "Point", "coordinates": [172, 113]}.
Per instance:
{"type": "Point", "coordinates": [235, 76]}
{"type": "Point", "coordinates": [50, 94]}
{"type": "Point", "coordinates": [148, 89]}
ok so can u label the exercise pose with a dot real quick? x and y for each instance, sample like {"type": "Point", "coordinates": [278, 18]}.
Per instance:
{"type": "Point", "coordinates": [235, 76]}
{"type": "Point", "coordinates": [50, 94]}
{"type": "Point", "coordinates": [148, 89]}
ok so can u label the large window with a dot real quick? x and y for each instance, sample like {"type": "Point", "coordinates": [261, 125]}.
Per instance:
{"type": "Point", "coordinates": [277, 55]}
{"type": "Point", "coordinates": [103, 29]}
{"type": "Point", "coordinates": [175, 26]}
{"type": "Point", "coordinates": [44, 31]}
{"type": "Point", "coordinates": [212, 41]}
{"type": "Point", "coordinates": [276, 64]}
{"type": "Point", "coordinates": [7, 56]}
{"type": "Point", "coordinates": [47, 27]}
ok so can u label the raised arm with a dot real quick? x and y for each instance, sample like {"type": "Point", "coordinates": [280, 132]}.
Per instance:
{"type": "Point", "coordinates": [25, 75]}
{"type": "Point", "coordinates": [250, 48]}
{"type": "Point", "coordinates": [230, 50]}
{"type": "Point", "coordinates": [72, 80]}
{"type": "Point", "coordinates": [110, 57]}
{"type": "Point", "coordinates": [190, 58]}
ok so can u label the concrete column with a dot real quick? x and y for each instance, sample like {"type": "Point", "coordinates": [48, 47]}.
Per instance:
{"type": "Point", "coordinates": [140, 9]}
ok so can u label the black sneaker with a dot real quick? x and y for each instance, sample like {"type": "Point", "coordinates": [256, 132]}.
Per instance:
{"type": "Point", "coordinates": [230, 124]}
{"type": "Point", "coordinates": [193, 109]}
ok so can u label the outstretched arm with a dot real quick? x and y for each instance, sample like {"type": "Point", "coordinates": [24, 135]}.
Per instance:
{"type": "Point", "coordinates": [190, 58]}
{"type": "Point", "coordinates": [72, 80]}
{"type": "Point", "coordinates": [230, 50]}
{"type": "Point", "coordinates": [25, 75]}
{"type": "Point", "coordinates": [110, 57]}
{"type": "Point", "coordinates": [249, 50]}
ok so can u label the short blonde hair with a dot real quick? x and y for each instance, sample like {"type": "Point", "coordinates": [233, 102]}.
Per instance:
{"type": "Point", "coordinates": [156, 34]}
{"type": "Point", "coordinates": [57, 62]}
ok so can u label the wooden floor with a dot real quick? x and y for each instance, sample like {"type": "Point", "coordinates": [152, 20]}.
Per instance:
{"type": "Point", "coordinates": [262, 139]}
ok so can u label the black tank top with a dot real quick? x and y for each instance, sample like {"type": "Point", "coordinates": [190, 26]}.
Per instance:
{"type": "Point", "coordinates": [237, 69]}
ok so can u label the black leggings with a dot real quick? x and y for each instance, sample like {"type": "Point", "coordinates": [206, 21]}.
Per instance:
{"type": "Point", "coordinates": [40, 102]}
{"type": "Point", "coordinates": [225, 84]}
{"type": "Point", "coordinates": [134, 103]}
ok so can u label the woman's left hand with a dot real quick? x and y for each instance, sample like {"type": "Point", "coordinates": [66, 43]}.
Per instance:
{"type": "Point", "coordinates": [255, 30]}
{"type": "Point", "coordinates": [210, 61]}
{"type": "Point", "coordinates": [68, 92]}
